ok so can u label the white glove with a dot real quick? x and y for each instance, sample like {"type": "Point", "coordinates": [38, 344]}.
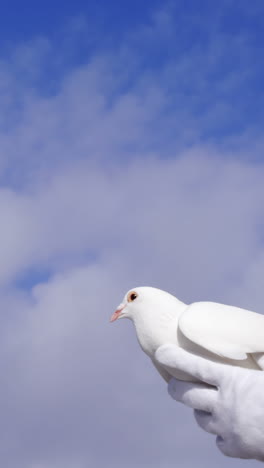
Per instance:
{"type": "Point", "coordinates": [233, 409]}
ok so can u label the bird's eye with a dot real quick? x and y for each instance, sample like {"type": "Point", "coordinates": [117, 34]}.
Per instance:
{"type": "Point", "coordinates": [132, 296]}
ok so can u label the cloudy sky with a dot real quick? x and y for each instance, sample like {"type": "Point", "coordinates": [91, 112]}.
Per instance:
{"type": "Point", "coordinates": [131, 153]}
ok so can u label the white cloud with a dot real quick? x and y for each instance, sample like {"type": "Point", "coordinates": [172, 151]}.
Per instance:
{"type": "Point", "coordinates": [189, 225]}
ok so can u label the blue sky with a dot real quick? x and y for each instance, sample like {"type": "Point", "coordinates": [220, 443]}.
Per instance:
{"type": "Point", "coordinates": [206, 61]}
{"type": "Point", "coordinates": [33, 20]}
{"type": "Point", "coordinates": [131, 153]}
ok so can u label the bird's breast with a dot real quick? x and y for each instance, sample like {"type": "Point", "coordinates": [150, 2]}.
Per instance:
{"type": "Point", "coordinates": [152, 336]}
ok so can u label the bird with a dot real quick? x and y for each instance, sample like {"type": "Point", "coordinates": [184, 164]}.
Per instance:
{"type": "Point", "coordinates": [218, 332]}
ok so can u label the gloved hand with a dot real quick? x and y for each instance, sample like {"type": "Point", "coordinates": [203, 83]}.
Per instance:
{"type": "Point", "coordinates": [231, 406]}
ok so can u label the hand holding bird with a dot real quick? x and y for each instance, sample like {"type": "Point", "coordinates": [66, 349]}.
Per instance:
{"type": "Point", "coordinates": [229, 404]}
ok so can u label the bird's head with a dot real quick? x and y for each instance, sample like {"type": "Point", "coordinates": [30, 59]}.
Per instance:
{"type": "Point", "coordinates": [154, 314]}
{"type": "Point", "coordinates": [129, 305]}
{"type": "Point", "coordinates": [139, 301]}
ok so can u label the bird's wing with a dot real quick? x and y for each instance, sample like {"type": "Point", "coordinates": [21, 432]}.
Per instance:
{"type": "Point", "coordinates": [227, 331]}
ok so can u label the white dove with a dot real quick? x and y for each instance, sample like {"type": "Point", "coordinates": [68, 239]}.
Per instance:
{"type": "Point", "coordinates": [218, 332]}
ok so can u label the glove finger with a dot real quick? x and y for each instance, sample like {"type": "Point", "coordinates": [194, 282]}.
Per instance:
{"type": "Point", "coordinates": [228, 448]}
{"type": "Point", "coordinates": [205, 421]}
{"type": "Point", "coordinates": [204, 370]}
{"type": "Point", "coordinates": [195, 395]}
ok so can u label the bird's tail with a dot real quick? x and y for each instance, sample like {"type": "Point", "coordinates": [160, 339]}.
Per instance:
{"type": "Point", "coordinates": [259, 359]}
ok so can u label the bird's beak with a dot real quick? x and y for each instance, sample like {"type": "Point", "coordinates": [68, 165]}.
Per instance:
{"type": "Point", "coordinates": [116, 315]}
